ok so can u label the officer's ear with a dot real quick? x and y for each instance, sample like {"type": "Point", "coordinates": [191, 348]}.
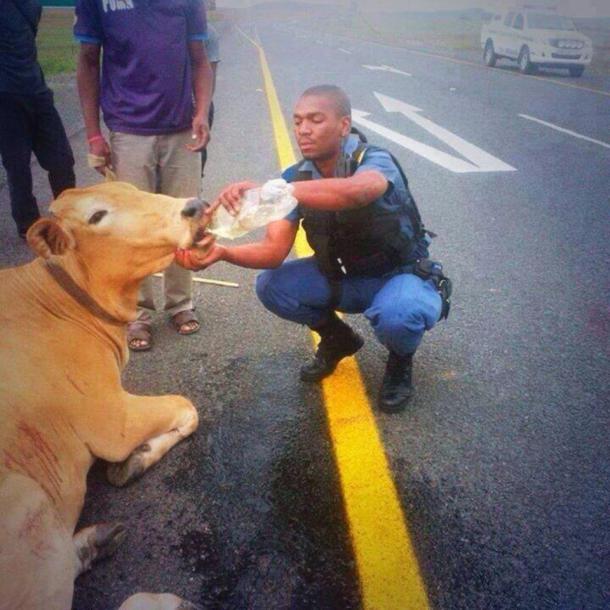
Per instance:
{"type": "Point", "coordinates": [346, 126]}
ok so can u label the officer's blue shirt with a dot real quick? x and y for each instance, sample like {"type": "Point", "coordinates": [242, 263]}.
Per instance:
{"type": "Point", "coordinates": [396, 198]}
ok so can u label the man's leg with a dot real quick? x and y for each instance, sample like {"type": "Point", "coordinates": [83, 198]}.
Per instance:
{"type": "Point", "coordinates": [297, 291]}
{"type": "Point", "coordinates": [134, 161]}
{"type": "Point", "coordinates": [16, 126]}
{"type": "Point", "coordinates": [180, 176]}
{"type": "Point", "coordinates": [51, 145]}
{"type": "Point", "coordinates": [400, 313]}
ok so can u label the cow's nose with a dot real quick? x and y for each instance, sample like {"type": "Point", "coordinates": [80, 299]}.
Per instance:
{"type": "Point", "coordinates": [194, 208]}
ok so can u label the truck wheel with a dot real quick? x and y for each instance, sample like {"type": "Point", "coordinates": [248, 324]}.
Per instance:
{"type": "Point", "coordinates": [489, 55]}
{"type": "Point", "coordinates": [576, 70]}
{"type": "Point", "coordinates": [525, 65]}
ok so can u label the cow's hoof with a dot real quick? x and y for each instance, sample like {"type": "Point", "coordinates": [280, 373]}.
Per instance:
{"type": "Point", "coordinates": [131, 469]}
{"type": "Point", "coordinates": [96, 542]}
{"type": "Point", "coordinates": [108, 537]}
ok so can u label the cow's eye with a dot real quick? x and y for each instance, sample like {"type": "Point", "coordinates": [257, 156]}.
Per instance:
{"type": "Point", "coordinates": [97, 217]}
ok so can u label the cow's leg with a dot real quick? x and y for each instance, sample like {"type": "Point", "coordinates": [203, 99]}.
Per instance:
{"type": "Point", "coordinates": [36, 553]}
{"type": "Point", "coordinates": [157, 601]}
{"type": "Point", "coordinates": [154, 426]}
{"type": "Point", "coordinates": [96, 542]}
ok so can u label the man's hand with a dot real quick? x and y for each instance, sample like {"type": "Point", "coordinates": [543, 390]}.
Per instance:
{"type": "Point", "coordinates": [230, 196]}
{"type": "Point", "coordinates": [201, 134]}
{"type": "Point", "coordinates": [100, 150]}
{"type": "Point", "coordinates": [205, 253]}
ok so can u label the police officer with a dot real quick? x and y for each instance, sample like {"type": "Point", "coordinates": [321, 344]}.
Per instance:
{"type": "Point", "coordinates": [366, 233]}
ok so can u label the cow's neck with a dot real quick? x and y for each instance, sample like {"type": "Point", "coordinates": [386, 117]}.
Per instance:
{"type": "Point", "coordinates": [67, 306]}
{"type": "Point", "coordinates": [111, 300]}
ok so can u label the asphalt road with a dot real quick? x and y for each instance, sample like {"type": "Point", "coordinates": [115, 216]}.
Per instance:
{"type": "Point", "coordinates": [501, 461]}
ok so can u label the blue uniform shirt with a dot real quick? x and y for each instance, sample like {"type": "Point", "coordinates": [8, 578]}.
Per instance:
{"type": "Point", "coordinates": [396, 198]}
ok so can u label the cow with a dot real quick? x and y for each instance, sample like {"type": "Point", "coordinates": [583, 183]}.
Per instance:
{"type": "Point", "coordinates": [63, 346]}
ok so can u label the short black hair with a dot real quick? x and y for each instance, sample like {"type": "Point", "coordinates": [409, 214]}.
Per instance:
{"type": "Point", "coordinates": [339, 98]}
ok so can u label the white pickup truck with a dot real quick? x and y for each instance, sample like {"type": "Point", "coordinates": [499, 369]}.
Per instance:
{"type": "Point", "coordinates": [536, 37]}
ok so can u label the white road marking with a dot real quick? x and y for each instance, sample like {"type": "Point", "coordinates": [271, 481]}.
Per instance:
{"type": "Point", "coordinates": [428, 152]}
{"type": "Point", "coordinates": [345, 51]}
{"type": "Point", "coordinates": [384, 68]}
{"type": "Point", "coordinates": [563, 130]}
{"type": "Point", "coordinates": [478, 159]}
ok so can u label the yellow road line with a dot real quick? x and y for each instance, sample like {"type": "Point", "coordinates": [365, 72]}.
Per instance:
{"type": "Point", "coordinates": [387, 567]}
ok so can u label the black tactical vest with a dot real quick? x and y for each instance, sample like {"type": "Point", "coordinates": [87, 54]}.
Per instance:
{"type": "Point", "coordinates": [364, 241]}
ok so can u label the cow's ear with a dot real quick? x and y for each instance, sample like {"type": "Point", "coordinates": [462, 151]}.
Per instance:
{"type": "Point", "coordinates": [46, 237]}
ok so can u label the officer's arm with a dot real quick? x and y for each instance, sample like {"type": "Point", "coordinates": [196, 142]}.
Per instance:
{"type": "Point", "coordinates": [341, 193]}
{"type": "Point", "coordinates": [265, 254]}
{"type": "Point", "coordinates": [268, 253]}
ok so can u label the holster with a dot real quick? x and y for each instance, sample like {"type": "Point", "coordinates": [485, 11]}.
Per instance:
{"type": "Point", "coordinates": [428, 269]}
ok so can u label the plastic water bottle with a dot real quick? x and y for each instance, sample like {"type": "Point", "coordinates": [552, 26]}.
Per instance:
{"type": "Point", "coordinates": [259, 207]}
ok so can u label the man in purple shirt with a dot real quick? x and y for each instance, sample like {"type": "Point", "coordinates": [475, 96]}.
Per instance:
{"type": "Point", "coordinates": [154, 65]}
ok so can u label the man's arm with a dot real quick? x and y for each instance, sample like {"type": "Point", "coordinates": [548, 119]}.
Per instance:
{"type": "Point", "coordinates": [265, 254]}
{"type": "Point", "coordinates": [323, 194]}
{"type": "Point", "coordinates": [203, 82]}
{"type": "Point", "coordinates": [88, 82]}
{"type": "Point", "coordinates": [341, 193]}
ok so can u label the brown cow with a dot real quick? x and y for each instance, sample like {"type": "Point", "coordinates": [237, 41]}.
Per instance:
{"type": "Point", "coordinates": [62, 349]}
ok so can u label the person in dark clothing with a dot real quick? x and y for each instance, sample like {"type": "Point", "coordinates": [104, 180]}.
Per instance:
{"type": "Point", "coordinates": [29, 121]}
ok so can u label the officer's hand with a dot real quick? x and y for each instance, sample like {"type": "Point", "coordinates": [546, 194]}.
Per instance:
{"type": "Point", "coordinates": [99, 154]}
{"type": "Point", "coordinates": [201, 134]}
{"type": "Point", "coordinates": [205, 253]}
{"type": "Point", "coordinates": [230, 197]}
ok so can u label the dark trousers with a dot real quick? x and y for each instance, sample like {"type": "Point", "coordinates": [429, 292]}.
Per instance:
{"type": "Point", "coordinates": [30, 123]}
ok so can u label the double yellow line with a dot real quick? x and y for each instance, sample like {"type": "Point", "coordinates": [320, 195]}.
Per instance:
{"type": "Point", "coordinates": [387, 567]}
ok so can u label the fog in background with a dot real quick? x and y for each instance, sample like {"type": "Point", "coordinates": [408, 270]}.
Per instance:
{"type": "Point", "coordinates": [573, 8]}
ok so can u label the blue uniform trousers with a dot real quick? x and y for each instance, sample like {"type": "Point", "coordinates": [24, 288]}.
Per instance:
{"type": "Point", "coordinates": [399, 306]}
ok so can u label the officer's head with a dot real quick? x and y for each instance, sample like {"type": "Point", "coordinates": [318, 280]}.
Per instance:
{"type": "Point", "coordinates": [322, 119]}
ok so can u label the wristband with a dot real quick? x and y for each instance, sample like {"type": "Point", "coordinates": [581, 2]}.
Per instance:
{"type": "Point", "coordinates": [95, 138]}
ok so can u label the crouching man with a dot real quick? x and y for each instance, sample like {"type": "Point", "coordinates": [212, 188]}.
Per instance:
{"type": "Point", "coordinates": [370, 248]}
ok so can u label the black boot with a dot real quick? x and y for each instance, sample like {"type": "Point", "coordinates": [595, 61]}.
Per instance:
{"type": "Point", "coordinates": [396, 388]}
{"type": "Point", "coordinates": [338, 341]}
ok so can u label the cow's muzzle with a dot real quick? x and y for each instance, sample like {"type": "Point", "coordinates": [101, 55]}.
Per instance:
{"type": "Point", "coordinates": [194, 208]}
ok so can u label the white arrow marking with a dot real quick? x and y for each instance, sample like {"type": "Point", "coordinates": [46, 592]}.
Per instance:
{"type": "Point", "coordinates": [428, 152]}
{"type": "Point", "coordinates": [480, 161]}
{"type": "Point", "coordinates": [384, 68]}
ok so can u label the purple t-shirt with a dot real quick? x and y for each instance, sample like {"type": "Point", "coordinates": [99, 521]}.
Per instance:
{"type": "Point", "coordinates": [146, 86]}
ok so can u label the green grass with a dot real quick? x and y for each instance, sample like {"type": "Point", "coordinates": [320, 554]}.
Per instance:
{"type": "Point", "coordinates": [57, 48]}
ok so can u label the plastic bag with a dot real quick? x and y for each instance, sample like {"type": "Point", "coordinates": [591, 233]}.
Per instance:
{"type": "Point", "coordinates": [259, 207]}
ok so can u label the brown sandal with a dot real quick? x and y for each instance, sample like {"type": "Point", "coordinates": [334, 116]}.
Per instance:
{"type": "Point", "coordinates": [139, 336]}
{"type": "Point", "coordinates": [186, 322]}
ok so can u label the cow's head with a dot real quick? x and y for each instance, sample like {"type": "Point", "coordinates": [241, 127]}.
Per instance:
{"type": "Point", "coordinates": [127, 232]}
{"type": "Point", "coordinates": [111, 236]}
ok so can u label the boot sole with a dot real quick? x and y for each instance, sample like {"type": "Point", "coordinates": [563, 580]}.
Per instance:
{"type": "Point", "coordinates": [396, 407]}
{"type": "Point", "coordinates": [313, 377]}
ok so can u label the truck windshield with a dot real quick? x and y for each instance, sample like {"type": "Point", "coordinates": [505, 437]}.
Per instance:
{"type": "Point", "coordinates": [542, 21]}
